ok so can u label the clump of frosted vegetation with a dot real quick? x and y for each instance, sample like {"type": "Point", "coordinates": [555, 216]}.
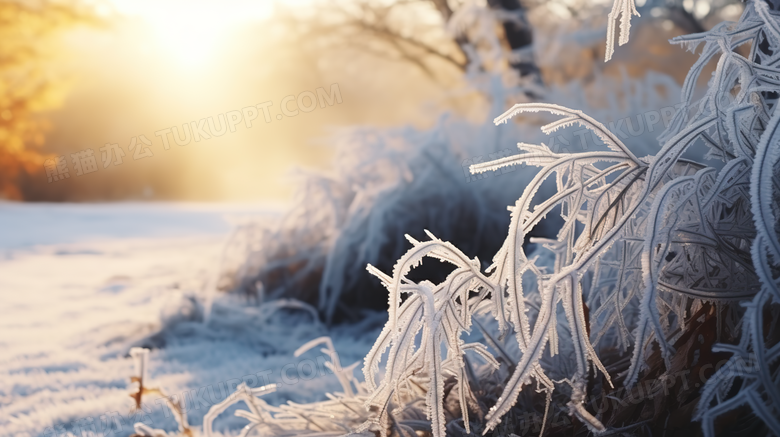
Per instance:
{"type": "Point", "coordinates": [648, 247]}
{"type": "Point", "coordinates": [389, 182]}
{"type": "Point", "coordinates": [657, 264]}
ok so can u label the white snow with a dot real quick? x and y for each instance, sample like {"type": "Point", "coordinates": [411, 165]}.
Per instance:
{"type": "Point", "coordinates": [81, 284]}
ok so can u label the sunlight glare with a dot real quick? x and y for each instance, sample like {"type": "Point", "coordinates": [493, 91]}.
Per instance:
{"type": "Point", "coordinates": [193, 31]}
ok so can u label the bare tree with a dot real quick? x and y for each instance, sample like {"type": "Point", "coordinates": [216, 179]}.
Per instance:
{"type": "Point", "coordinates": [429, 34]}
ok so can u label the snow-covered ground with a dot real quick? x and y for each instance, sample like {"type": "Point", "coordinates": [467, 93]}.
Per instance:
{"type": "Point", "coordinates": [81, 284]}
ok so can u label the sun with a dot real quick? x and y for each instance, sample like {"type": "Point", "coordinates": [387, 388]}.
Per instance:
{"type": "Point", "coordinates": [192, 32]}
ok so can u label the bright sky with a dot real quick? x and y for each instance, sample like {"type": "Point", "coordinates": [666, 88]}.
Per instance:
{"type": "Point", "coordinates": [167, 62]}
{"type": "Point", "coordinates": [193, 30]}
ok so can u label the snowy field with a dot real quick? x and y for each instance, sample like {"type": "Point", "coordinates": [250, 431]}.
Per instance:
{"type": "Point", "coordinates": [82, 284]}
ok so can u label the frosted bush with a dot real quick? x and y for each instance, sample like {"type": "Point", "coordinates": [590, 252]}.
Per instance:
{"type": "Point", "coordinates": [658, 263]}
{"type": "Point", "coordinates": [388, 182]}
{"type": "Point", "coordinates": [646, 243]}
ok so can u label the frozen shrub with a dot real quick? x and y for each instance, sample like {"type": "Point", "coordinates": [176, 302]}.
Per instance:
{"type": "Point", "coordinates": [649, 247]}
{"type": "Point", "coordinates": [658, 264]}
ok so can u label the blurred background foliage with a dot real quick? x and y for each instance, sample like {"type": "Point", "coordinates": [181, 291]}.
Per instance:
{"type": "Point", "coordinates": [28, 86]}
